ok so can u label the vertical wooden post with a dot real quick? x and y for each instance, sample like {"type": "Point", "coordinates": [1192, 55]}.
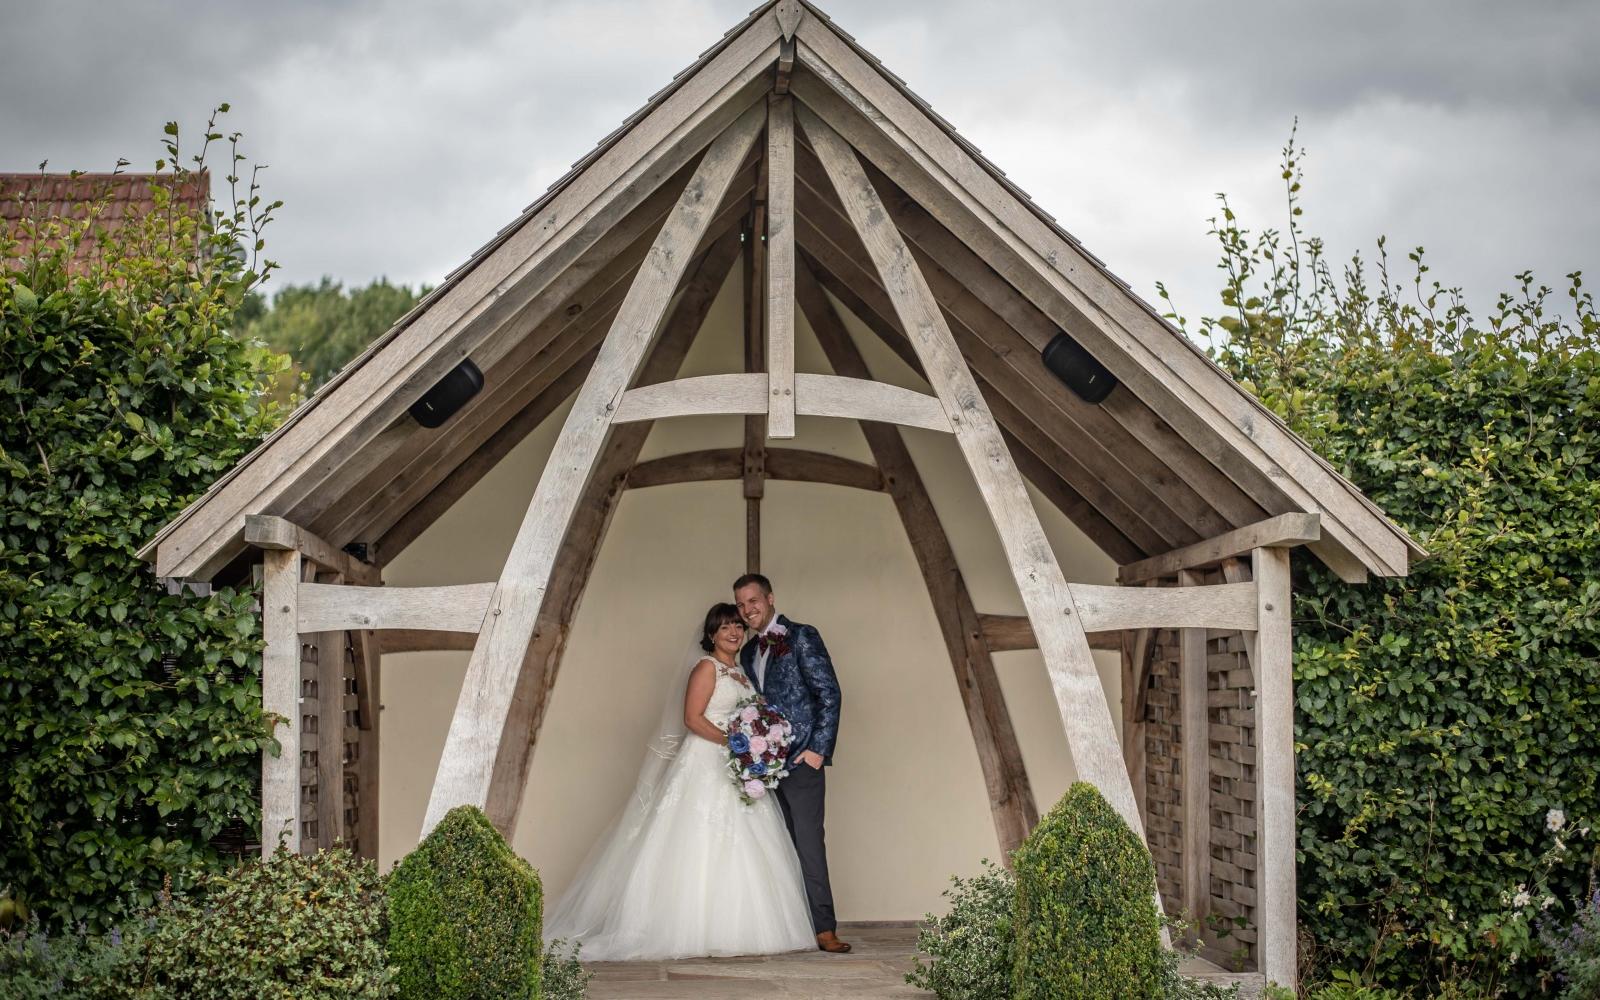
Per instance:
{"type": "Point", "coordinates": [755, 425]}
{"type": "Point", "coordinates": [1136, 649]}
{"type": "Point", "coordinates": [369, 706]}
{"type": "Point", "coordinates": [1275, 809]}
{"type": "Point", "coordinates": [330, 647]}
{"type": "Point", "coordinates": [1195, 727]}
{"type": "Point", "coordinates": [780, 266]}
{"type": "Point", "coordinates": [1085, 713]}
{"type": "Point", "coordinates": [280, 697]}
{"type": "Point", "coordinates": [478, 727]}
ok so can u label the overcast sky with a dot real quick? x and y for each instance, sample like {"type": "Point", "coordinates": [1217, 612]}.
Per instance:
{"type": "Point", "coordinates": [402, 135]}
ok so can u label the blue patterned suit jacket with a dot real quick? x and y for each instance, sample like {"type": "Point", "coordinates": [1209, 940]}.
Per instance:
{"type": "Point", "coordinates": [801, 684]}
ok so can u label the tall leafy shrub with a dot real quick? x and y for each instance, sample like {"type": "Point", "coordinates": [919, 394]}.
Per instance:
{"type": "Point", "coordinates": [1086, 920]}
{"type": "Point", "coordinates": [1441, 716]}
{"type": "Point", "coordinates": [130, 718]}
{"type": "Point", "coordinates": [465, 915]}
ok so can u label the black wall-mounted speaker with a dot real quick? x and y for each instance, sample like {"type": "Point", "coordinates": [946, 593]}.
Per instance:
{"type": "Point", "coordinates": [449, 395]}
{"type": "Point", "coordinates": [1070, 363]}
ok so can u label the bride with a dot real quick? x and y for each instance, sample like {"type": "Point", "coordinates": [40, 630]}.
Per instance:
{"type": "Point", "coordinates": [688, 870]}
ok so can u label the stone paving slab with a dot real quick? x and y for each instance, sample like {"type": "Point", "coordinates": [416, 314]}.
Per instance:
{"type": "Point", "coordinates": [874, 970]}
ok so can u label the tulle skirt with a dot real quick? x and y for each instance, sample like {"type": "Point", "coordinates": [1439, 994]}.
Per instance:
{"type": "Point", "coordinates": [688, 871]}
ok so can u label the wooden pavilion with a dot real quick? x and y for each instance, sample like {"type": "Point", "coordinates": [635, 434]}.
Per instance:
{"type": "Point", "coordinates": [789, 152]}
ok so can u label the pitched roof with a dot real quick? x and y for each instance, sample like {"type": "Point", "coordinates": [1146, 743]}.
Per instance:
{"type": "Point", "coordinates": [1192, 454]}
{"type": "Point", "coordinates": [113, 200]}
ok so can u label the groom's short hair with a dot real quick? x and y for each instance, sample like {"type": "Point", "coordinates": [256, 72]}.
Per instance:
{"type": "Point", "coordinates": [755, 578]}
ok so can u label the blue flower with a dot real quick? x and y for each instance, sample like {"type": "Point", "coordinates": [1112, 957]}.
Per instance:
{"type": "Point", "coordinates": [757, 769]}
{"type": "Point", "coordinates": [739, 743]}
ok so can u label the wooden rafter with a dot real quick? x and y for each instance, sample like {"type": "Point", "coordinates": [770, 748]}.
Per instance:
{"type": "Point", "coordinates": [1085, 715]}
{"type": "Point", "coordinates": [1283, 531]}
{"type": "Point", "coordinates": [478, 727]}
{"type": "Point", "coordinates": [581, 546]}
{"type": "Point", "coordinates": [1011, 799]}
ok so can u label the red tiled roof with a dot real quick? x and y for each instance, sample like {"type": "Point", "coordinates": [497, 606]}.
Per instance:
{"type": "Point", "coordinates": [121, 198]}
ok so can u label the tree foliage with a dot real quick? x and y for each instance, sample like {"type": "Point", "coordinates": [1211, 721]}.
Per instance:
{"type": "Point", "coordinates": [130, 718]}
{"type": "Point", "coordinates": [323, 326]}
{"type": "Point", "coordinates": [1440, 717]}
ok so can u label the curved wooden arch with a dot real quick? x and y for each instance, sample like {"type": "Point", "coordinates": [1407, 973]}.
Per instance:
{"type": "Point", "coordinates": [787, 464]}
{"type": "Point", "coordinates": [815, 396]}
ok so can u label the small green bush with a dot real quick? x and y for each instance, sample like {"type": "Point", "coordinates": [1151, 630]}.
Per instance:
{"type": "Point", "coordinates": [292, 927]}
{"type": "Point", "coordinates": [80, 965]}
{"type": "Point", "coordinates": [563, 977]}
{"type": "Point", "coordinates": [970, 949]}
{"type": "Point", "coordinates": [1086, 918]}
{"type": "Point", "coordinates": [464, 914]}
{"type": "Point", "coordinates": [1577, 953]}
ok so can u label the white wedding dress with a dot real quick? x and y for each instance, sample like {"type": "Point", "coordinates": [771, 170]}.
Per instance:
{"type": "Point", "coordinates": [689, 870]}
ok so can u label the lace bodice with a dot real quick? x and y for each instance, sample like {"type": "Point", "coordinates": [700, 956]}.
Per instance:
{"type": "Point", "coordinates": [732, 687]}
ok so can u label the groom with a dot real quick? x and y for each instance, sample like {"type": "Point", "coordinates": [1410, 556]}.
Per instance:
{"type": "Point", "coordinates": [789, 665]}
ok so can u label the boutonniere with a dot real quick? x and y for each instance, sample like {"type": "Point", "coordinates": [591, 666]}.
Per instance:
{"type": "Point", "coordinates": [775, 641]}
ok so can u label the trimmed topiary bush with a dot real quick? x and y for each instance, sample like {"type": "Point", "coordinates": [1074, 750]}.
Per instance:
{"type": "Point", "coordinates": [1086, 918]}
{"type": "Point", "coordinates": [292, 927]}
{"type": "Point", "coordinates": [464, 915]}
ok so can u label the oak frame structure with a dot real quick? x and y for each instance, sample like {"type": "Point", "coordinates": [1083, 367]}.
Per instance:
{"type": "Point", "coordinates": [788, 154]}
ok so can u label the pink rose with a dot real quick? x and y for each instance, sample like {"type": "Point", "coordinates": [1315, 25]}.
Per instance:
{"type": "Point", "coordinates": [750, 713]}
{"type": "Point", "coordinates": [758, 745]}
{"type": "Point", "coordinates": [754, 789]}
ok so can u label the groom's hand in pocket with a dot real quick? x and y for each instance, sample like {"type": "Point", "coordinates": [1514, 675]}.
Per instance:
{"type": "Point", "coordinates": [811, 759]}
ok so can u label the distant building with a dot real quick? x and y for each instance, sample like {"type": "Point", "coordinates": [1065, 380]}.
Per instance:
{"type": "Point", "coordinates": [116, 199]}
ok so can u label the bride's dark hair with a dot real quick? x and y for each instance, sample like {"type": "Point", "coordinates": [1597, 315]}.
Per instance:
{"type": "Point", "coordinates": [718, 616]}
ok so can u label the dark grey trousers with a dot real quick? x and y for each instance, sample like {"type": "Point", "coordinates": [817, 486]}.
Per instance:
{"type": "Point", "coordinates": [801, 795]}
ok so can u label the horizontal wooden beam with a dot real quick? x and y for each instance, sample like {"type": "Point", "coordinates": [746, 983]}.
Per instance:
{"type": "Point", "coordinates": [1108, 610]}
{"type": "Point", "coordinates": [1005, 633]}
{"type": "Point", "coordinates": [333, 608]}
{"type": "Point", "coordinates": [1283, 531]}
{"type": "Point", "coordinates": [788, 464]}
{"type": "Point", "coordinates": [416, 640]}
{"type": "Point", "coordinates": [265, 531]}
{"type": "Point", "coordinates": [815, 396]}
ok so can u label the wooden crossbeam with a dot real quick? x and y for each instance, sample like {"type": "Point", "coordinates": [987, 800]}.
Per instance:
{"type": "Point", "coordinates": [1006, 633]}
{"type": "Point", "coordinates": [1114, 609]}
{"type": "Point", "coordinates": [1091, 734]}
{"type": "Point", "coordinates": [1283, 531]}
{"type": "Point", "coordinates": [820, 396]}
{"type": "Point", "coordinates": [327, 607]}
{"type": "Point", "coordinates": [478, 727]}
{"type": "Point", "coordinates": [1011, 799]}
{"type": "Point", "coordinates": [787, 464]}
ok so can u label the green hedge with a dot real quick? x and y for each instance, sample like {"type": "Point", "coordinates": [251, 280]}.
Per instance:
{"type": "Point", "coordinates": [465, 915]}
{"type": "Point", "coordinates": [1086, 920]}
{"type": "Point", "coordinates": [130, 719]}
{"type": "Point", "coordinates": [1440, 716]}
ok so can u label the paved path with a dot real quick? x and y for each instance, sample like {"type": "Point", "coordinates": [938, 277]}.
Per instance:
{"type": "Point", "coordinates": [875, 970]}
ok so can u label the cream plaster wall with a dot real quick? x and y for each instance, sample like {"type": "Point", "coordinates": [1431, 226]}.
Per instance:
{"type": "Point", "coordinates": [906, 803]}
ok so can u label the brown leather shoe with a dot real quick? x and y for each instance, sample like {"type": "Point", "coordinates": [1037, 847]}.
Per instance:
{"type": "Point", "coordinates": [829, 941]}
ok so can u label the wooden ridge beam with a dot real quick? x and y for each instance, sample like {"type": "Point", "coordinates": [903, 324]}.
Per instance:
{"type": "Point", "coordinates": [1011, 799]}
{"type": "Point", "coordinates": [1085, 714]}
{"type": "Point", "coordinates": [478, 727]}
{"type": "Point", "coordinates": [1283, 531]}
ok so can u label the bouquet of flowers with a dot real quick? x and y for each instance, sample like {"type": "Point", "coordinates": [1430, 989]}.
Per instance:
{"type": "Point", "coordinates": [758, 748]}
